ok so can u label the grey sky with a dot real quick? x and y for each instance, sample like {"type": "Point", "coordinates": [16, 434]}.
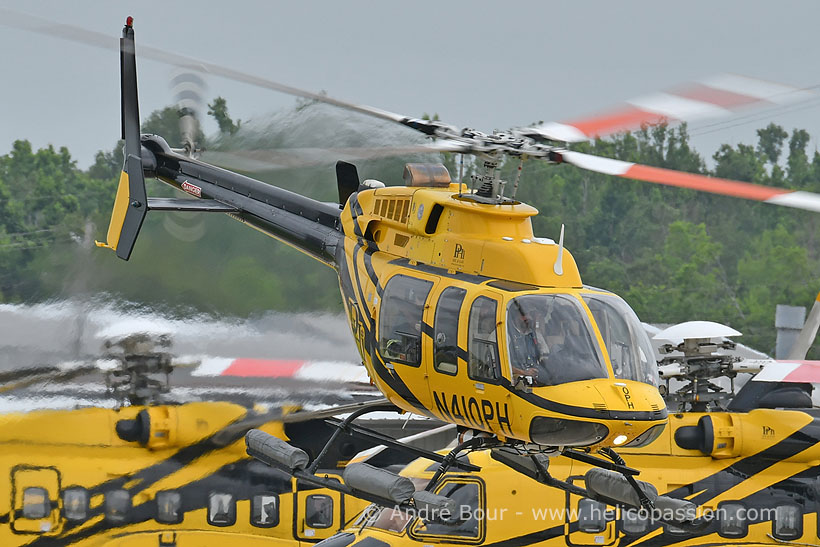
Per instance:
{"type": "Point", "coordinates": [486, 65]}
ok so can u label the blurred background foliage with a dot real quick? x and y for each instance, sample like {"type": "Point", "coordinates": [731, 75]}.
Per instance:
{"type": "Point", "coordinates": [673, 254]}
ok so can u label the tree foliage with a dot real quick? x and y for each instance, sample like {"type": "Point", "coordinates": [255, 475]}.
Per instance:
{"type": "Point", "coordinates": [674, 254]}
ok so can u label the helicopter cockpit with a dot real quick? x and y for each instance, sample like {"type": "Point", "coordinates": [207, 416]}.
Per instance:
{"type": "Point", "coordinates": [550, 340]}
{"type": "Point", "coordinates": [626, 341]}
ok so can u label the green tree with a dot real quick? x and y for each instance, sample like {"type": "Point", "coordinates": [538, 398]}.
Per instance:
{"type": "Point", "coordinates": [219, 110]}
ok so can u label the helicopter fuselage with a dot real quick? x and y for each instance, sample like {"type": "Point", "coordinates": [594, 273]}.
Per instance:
{"type": "Point", "coordinates": [432, 280]}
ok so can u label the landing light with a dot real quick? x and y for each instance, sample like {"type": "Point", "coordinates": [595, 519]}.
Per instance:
{"type": "Point", "coordinates": [619, 440]}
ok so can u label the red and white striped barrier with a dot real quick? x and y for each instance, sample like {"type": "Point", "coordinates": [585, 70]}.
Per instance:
{"type": "Point", "coordinates": [317, 371]}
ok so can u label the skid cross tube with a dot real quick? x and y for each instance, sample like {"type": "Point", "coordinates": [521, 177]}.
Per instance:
{"type": "Point", "coordinates": [348, 427]}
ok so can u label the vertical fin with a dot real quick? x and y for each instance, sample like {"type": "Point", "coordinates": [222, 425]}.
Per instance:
{"type": "Point", "coordinates": [130, 205]}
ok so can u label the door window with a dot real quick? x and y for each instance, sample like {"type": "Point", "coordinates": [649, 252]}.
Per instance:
{"type": "Point", "coordinates": [732, 518]}
{"type": "Point", "coordinates": [265, 510]}
{"type": "Point", "coordinates": [319, 511]}
{"type": "Point", "coordinates": [117, 506]}
{"type": "Point", "coordinates": [400, 319]}
{"type": "Point", "coordinates": [75, 504]}
{"type": "Point", "coordinates": [482, 343]}
{"type": "Point", "coordinates": [169, 507]}
{"type": "Point", "coordinates": [468, 523]}
{"type": "Point", "coordinates": [221, 509]}
{"type": "Point", "coordinates": [445, 330]}
{"type": "Point", "coordinates": [591, 516]}
{"type": "Point", "coordinates": [788, 522]}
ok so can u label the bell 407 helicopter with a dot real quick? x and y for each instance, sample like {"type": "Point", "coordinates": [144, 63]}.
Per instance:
{"type": "Point", "coordinates": [459, 311]}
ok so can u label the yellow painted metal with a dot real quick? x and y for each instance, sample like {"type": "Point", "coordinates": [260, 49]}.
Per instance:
{"type": "Point", "coordinates": [117, 214]}
{"type": "Point", "coordinates": [522, 511]}
{"type": "Point", "coordinates": [58, 449]}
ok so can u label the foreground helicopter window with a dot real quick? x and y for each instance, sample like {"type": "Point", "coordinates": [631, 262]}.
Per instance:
{"type": "Point", "coordinates": [467, 523]}
{"type": "Point", "coordinates": [169, 506]}
{"type": "Point", "coordinates": [482, 342]}
{"type": "Point", "coordinates": [36, 504]}
{"type": "Point", "coordinates": [400, 319]}
{"type": "Point", "coordinates": [265, 510]}
{"type": "Point", "coordinates": [445, 330]}
{"type": "Point", "coordinates": [117, 505]}
{"type": "Point", "coordinates": [550, 340]}
{"type": "Point", "coordinates": [632, 523]}
{"type": "Point", "coordinates": [733, 522]}
{"type": "Point", "coordinates": [319, 511]}
{"type": "Point", "coordinates": [388, 518]}
{"type": "Point", "coordinates": [221, 509]}
{"type": "Point", "coordinates": [75, 504]}
{"type": "Point", "coordinates": [788, 522]}
{"type": "Point", "coordinates": [591, 516]}
{"type": "Point", "coordinates": [626, 341]}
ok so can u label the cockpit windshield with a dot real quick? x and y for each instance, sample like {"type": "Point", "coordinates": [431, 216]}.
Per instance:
{"type": "Point", "coordinates": [550, 340]}
{"type": "Point", "coordinates": [626, 341]}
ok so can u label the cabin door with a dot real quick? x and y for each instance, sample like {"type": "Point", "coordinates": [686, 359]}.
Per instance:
{"type": "Point", "coordinates": [405, 342]}
{"type": "Point", "coordinates": [35, 495]}
{"type": "Point", "coordinates": [488, 402]}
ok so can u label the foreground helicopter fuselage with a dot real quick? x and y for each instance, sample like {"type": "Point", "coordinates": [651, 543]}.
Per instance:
{"type": "Point", "coordinates": [71, 479]}
{"type": "Point", "coordinates": [431, 278]}
{"type": "Point", "coordinates": [754, 480]}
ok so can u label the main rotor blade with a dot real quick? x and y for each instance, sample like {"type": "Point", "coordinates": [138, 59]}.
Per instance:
{"type": "Point", "coordinates": [777, 196]}
{"type": "Point", "coordinates": [76, 34]}
{"type": "Point", "coordinates": [715, 97]}
{"type": "Point", "coordinates": [251, 161]}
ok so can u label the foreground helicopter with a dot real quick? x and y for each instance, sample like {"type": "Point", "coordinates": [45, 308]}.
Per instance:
{"type": "Point", "coordinates": [152, 470]}
{"type": "Point", "coordinates": [744, 462]}
{"type": "Point", "coordinates": [444, 287]}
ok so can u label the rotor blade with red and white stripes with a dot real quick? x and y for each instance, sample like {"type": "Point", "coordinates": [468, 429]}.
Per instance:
{"type": "Point", "coordinates": [790, 371]}
{"type": "Point", "coordinates": [746, 190]}
{"type": "Point", "coordinates": [715, 97]}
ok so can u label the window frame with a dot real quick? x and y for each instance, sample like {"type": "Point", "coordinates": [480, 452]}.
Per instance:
{"type": "Point", "coordinates": [385, 337]}
{"type": "Point", "coordinates": [603, 523]}
{"type": "Point", "coordinates": [86, 509]}
{"type": "Point", "coordinates": [231, 513]}
{"type": "Point", "coordinates": [439, 307]}
{"type": "Point", "coordinates": [648, 524]}
{"type": "Point", "coordinates": [800, 517]}
{"type": "Point", "coordinates": [312, 497]}
{"type": "Point", "coordinates": [498, 368]}
{"type": "Point", "coordinates": [45, 504]}
{"type": "Point", "coordinates": [126, 518]}
{"type": "Point", "coordinates": [180, 513]}
{"type": "Point", "coordinates": [720, 523]}
{"type": "Point", "coordinates": [414, 524]}
{"type": "Point", "coordinates": [253, 510]}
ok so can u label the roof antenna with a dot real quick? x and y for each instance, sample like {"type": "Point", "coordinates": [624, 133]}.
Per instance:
{"type": "Point", "coordinates": [558, 267]}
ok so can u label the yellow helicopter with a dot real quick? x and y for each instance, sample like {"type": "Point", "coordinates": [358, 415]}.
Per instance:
{"type": "Point", "coordinates": [153, 471]}
{"type": "Point", "coordinates": [731, 468]}
{"type": "Point", "coordinates": [447, 289]}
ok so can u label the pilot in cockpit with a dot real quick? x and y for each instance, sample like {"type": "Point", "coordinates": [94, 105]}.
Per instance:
{"type": "Point", "coordinates": [550, 344]}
